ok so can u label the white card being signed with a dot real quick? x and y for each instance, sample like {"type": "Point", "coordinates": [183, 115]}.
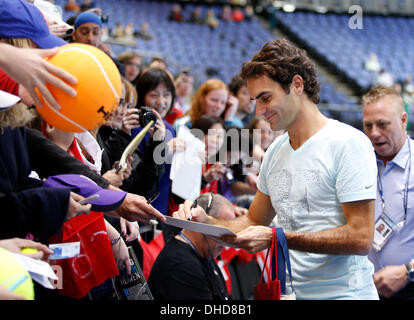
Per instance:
{"type": "Point", "coordinates": [204, 228]}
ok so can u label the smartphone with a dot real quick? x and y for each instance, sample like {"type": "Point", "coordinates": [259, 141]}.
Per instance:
{"type": "Point", "coordinates": [88, 199]}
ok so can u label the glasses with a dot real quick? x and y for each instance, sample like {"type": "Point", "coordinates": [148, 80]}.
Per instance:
{"type": "Point", "coordinates": [210, 201]}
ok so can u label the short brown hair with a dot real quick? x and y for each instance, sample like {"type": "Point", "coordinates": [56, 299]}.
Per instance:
{"type": "Point", "coordinates": [126, 56]}
{"type": "Point", "coordinates": [280, 60]}
{"type": "Point", "coordinates": [377, 93]}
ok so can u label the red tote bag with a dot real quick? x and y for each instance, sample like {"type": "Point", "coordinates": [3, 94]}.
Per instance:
{"type": "Point", "coordinates": [271, 289]}
{"type": "Point", "coordinates": [96, 261]}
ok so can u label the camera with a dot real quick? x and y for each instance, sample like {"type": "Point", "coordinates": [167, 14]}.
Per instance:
{"type": "Point", "coordinates": [145, 116]}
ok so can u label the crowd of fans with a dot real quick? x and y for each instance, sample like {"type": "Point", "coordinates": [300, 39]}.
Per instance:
{"type": "Point", "coordinates": [33, 150]}
{"type": "Point", "coordinates": [47, 173]}
{"type": "Point", "coordinates": [210, 17]}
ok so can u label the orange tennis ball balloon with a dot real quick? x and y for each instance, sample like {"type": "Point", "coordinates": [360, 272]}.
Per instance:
{"type": "Point", "coordinates": [98, 89]}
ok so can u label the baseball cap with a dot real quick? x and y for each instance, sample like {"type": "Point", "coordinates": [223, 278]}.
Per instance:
{"type": "Point", "coordinates": [108, 199]}
{"type": "Point", "coordinates": [20, 19]}
{"type": "Point", "coordinates": [87, 17]}
{"type": "Point", "coordinates": [7, 100]}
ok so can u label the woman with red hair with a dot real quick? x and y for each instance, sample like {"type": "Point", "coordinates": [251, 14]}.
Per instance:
{"type": "Point", "coordinates": [213, 99]}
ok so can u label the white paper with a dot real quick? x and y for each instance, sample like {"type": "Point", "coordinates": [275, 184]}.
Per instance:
{"type": "Point", "coordinates": [186, 166]}
{"type": "Point", "coordinates": [39, 270]}
{"type": "Point", "coordinates": [204, 228]}
{"type": "Point", "coordinates": [42, 280]}
{"type": "Point", "coordinates": [7, 99]}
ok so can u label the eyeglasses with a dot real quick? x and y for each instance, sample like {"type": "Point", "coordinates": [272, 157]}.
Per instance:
{"type": "Point", "coordinates": [210, 201]}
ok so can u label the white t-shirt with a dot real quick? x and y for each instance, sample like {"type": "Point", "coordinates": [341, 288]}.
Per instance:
{"type": "Point", "coordinates": [307, 187]}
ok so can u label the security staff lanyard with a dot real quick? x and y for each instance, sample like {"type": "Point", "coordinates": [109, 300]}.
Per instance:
{"type": "Point", "coordinates": [385, 226]}
{"type": "Point", "coordinates": [407, 180]}
{"type": "Point", "coordinates": [222, 293]}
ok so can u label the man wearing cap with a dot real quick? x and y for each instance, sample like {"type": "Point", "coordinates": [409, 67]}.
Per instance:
{"type": "Point", "coordinates": [88, 29]}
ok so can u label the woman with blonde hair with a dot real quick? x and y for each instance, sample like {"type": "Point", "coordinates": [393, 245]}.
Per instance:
{"type": "Point", "coordinates": [213, 99]}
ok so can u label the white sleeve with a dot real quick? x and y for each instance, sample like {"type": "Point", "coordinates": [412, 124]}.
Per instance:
{"type": "Point", "coordinates": [356, 170]}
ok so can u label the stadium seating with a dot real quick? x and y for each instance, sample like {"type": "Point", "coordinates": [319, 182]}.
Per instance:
{"type": "Point", "coordinates": [348, 49]}
{"type": "Point", "coordinates": [210, 53]}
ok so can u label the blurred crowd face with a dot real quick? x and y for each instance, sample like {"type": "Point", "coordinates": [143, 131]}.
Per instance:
{"type": "Point", "coordinates": [88, 33]}
{"type": "Point", "coordinates": [384, 123]}
{"type": "Point", "coordinates": [185, 85]}
{"type": "Point", "coordinates": [132, 68]}
{"type": "Point", "coordinates": [246, 105]}
{"type": "Point", "coordinates": [158, 65]}
{"type": "Point", "coordinates": [267, 135]}
{"type": "Point", "coordinates": [214, 139]}
{"type": "Point", "coordinates": [159, 99]}
{"type": "Point", "coordinates": [120, 112]}
{"type": "Point", "coordinates": [215, 102]}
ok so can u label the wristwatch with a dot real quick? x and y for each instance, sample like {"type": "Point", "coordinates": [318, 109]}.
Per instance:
{"type": "Point", "coordinates": [410, 271]}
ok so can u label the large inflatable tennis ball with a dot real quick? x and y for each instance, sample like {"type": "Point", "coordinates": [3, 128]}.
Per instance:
{"type": "Point", "coordinates": [98, 89]}
{"type": "Point", "coordinates": [14, 277]}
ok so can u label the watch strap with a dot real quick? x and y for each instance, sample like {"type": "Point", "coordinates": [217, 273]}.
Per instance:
{"type": "Point", "coordinates": [410, 271]}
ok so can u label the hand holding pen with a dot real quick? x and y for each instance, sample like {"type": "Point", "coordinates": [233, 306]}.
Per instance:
{"type": "Point", "coordinates": [191, 211]}
{"type": "Point", "coordinates": [192, 207]}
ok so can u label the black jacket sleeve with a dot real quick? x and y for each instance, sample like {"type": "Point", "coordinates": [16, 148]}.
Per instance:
{"type": "Point", "coordinates": [25, 205]}
{"type": "Point", "coordinates": [47, 159]}
{"type": "Point", "coordinates": [115, 145]}
{"type": "Point", "coordinates": [40, 211]}
{"type": "Point", "coordinates": [145, 176]}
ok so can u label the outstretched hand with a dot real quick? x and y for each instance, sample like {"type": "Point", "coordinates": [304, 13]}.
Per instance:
{"type": "Point", "coordinates": [32, 71]}
{"type": "Point", "coordinates": [16, 245]}
{"type": "Point", "coordinates": [136, 208]}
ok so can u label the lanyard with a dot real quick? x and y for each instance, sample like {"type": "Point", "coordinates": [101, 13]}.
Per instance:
{"type": "Point", "coordinates": [222, 293]}
{"type": "Point", "coordinates": [189, 243]}
{"type": "Point", "coordinates": [381, 190]}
